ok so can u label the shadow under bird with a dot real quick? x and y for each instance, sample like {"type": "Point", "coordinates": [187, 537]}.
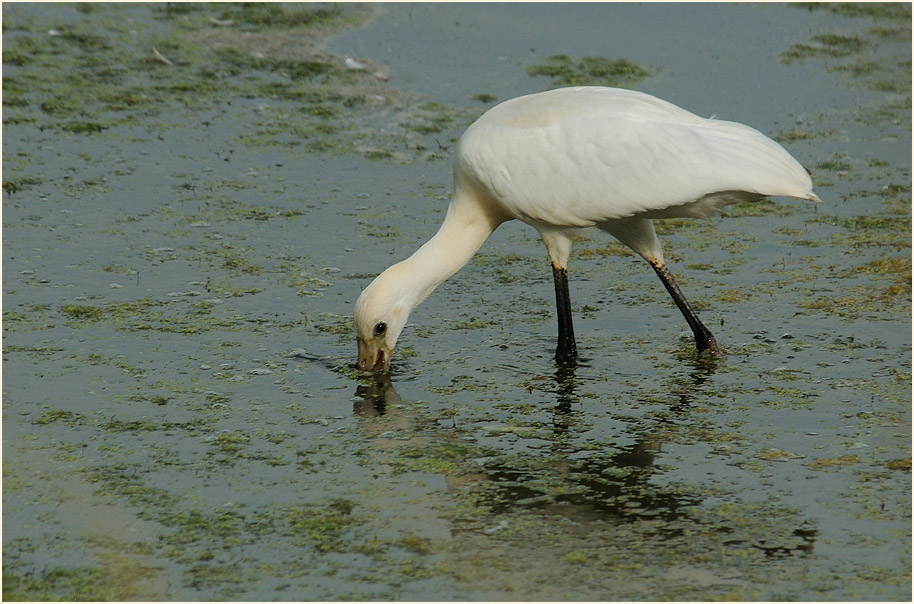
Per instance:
{"type": "Point", "coordinates": [569, 159]}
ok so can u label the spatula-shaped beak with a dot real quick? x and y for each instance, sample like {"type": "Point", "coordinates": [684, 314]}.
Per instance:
{"type": "Point", "coordinates": [373, 356]}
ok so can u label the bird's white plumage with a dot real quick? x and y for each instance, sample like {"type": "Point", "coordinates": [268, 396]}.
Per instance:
{"type": "Point", "coordinates": [572, 158]}
{"type": "Point", "coordinates": [581, 156]}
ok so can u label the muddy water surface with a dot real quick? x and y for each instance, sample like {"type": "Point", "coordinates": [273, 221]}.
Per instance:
{"type": "Point", "coordinates": [185, 231]}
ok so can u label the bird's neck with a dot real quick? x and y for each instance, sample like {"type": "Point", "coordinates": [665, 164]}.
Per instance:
{"type": "Point", "coordinates": [466, 227]}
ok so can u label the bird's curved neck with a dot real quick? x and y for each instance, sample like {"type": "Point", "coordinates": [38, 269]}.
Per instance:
{"type": "Point", "coordinates": [466, 227]}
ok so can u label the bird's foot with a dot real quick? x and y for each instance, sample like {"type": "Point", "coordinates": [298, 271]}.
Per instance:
{"type": "Point", "coordinates": [566, 355]}
{"type": "Point", "coordinates": [707, 345]}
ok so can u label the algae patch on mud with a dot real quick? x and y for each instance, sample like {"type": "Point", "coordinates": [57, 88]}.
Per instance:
{"type": "Point", "coordinates": [591, 71]}
{"type": "Point", "coordinates": [309, 100]}
{"type": "Point", "coordinates": [116, 579]}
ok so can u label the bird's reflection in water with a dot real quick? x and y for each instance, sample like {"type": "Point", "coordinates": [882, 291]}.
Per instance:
{"type": "Point", "coordinates": [595, 483]}
{"type": "Point", "coordinates": [565, 386]}
{"type": "Point", "coordinates": [373, 397]}
{"type": "Point", "coordinates": [685, 388]}
{"type": "Point", "coordinates": [568, 477]}
{"type": "Point", "coordinates": [384, 413]}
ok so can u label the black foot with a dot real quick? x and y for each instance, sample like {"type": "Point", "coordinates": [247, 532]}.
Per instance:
{"type": "Point", "coordinates": [707, 344]}
{"type": "Point", "coordinates": [566, 356]}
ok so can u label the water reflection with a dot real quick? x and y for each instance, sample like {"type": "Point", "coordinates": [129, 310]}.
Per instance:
{"type": "Point", "coordinates": [373, 396]}
{"type": "Point", "coordinates": [563, 474]}
{"type": "Point", "coordinates": [565, 389]}
{"type": "Point", "coordinates": [601, 483]}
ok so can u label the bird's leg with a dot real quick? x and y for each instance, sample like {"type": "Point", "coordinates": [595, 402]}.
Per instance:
{"type": "Point", "coordinates": [567, 350]}
{"type": "Point", "coordinates": [704, 340]}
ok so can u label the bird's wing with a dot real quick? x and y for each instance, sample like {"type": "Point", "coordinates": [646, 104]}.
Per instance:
{"type": "Point", "coordinates": [583, 171]}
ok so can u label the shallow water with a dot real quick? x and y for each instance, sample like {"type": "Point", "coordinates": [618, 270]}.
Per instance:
{"type": "Point", "coordinates": [183, 245]}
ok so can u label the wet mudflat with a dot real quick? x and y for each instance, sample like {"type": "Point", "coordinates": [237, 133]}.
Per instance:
{"type": "Point", "coordinates": [185, 231]}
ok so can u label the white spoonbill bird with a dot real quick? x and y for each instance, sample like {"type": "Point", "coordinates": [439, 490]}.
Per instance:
{"type": "Point", "coordinates": [572, 158]}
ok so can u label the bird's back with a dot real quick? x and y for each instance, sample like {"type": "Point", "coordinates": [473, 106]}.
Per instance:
{"type": "Point", "coordinates": [581, 156]}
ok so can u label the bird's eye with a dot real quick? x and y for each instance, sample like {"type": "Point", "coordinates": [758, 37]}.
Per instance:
{"type": "Point", "coordinates": [380, 328]}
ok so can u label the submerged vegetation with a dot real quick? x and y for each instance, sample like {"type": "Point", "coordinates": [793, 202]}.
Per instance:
{"type": "Point", "coordinates": [591, 71]}
{"type": "Point", "coordinates": [250, 51]}
{"type": "Point", "coordinates": [833, 45]}
{"type": "Point", "coordinates": [892, 11]}
{"type": "Point", "coordinates": [853, 51]}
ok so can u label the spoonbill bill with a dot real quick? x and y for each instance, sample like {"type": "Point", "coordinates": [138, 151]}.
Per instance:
{"type": "Point", "coordinates": [573, 158]}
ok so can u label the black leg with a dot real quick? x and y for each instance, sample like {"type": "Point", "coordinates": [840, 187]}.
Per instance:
{"type": "Point", "coordinates": [567, 350]}
{"type": "Point", "coordinates": [704, 340]}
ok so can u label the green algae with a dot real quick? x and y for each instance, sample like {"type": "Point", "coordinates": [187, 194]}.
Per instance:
{"type": "Point", "coordinates": [322, 528]}
{"type": "Point", "coordinates": [591, 71]}
{"type": "Point", "coordinates": [832, 45]}
{"type": "Point", "coordinates": [277, 16]}
{"type": "Point", "coordinates": [115, 580]}
{"type": "Point", "coordinates": [82, 313]}
{"type": "Point", "coordinates": [155, 315]}
{"type": "Point", "coordinates": [57, 415]}
{"type": "Point", "coordinates": [893, 11]}
{"type": "Point", "coordinates": [838, 162]}
{"type": "Point", "coordinates": [213, 64]}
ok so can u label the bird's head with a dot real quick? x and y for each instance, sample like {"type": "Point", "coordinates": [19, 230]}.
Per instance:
{"type": "Point", "coordinates": [380, 315]}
